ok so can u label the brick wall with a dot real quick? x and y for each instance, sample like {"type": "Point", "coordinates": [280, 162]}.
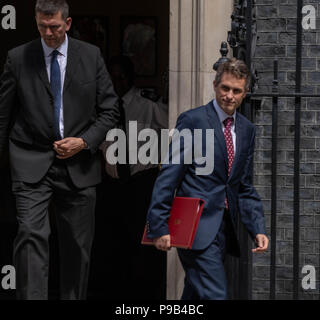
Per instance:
{"type": "Point", "coordinates": [276, 23]}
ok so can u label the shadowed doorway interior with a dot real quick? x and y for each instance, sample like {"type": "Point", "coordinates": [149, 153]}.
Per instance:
{"type": "Point", "coordinates": [119, 270]}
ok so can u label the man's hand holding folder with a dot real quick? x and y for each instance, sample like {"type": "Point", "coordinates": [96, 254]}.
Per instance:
{"type": "Point", "coordinates": [163, 243]}
{"type": "Point", "coordinates": [185, 214]}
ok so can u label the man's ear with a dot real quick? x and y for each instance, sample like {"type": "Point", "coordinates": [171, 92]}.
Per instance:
{"type": "Point", "coordinates": [68, 22]}
{"type": "Point", "coordinates": [37, 23]}
{"type": "Point", "coordinates": [245, 93]}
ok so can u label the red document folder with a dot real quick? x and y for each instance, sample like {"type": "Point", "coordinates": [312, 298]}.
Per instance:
{"type": "Point", "coordinates": [183, 222]}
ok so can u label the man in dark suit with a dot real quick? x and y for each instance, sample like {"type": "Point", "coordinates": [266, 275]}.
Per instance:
{"type": "Point", "coordinates": [56, 104]}
{"type": "Point", "coordinates": [227, 190]}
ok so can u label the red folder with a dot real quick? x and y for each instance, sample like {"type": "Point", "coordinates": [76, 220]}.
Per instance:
{"type": "Point", "coordinates": [183, 222]}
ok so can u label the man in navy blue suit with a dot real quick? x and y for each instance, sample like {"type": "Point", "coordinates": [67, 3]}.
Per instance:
{"type": "Point", "coordinates": [227, 190]}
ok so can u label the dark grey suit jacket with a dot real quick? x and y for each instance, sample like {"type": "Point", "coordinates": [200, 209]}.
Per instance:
{"type": "Point", "coordinates": [27, 111]}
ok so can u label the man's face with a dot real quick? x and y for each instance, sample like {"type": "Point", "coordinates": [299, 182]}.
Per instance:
{"type": "Point", "coordinates": [230, 92]}
{"type": "Point", "coordinates": [53, 28]}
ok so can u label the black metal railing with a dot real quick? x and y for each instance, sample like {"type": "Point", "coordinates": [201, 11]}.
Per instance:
{"type": "Point", "coordinates": [242, 39]}
{"type": "Point", "coordinates": [296, 178]}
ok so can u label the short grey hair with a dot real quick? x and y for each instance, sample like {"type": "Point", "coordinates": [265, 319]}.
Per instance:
{"type": "Point", "coordinates": [235, 67]}
{"type": "Point", "coordinates": [51, 7]}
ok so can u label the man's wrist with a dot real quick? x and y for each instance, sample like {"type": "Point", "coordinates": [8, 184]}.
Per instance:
{"type": "Point", "coordinates": [85, 145]}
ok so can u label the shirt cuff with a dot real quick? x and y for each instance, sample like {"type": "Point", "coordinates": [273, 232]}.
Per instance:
{"type": "Point", "coordinates": [86, 147]}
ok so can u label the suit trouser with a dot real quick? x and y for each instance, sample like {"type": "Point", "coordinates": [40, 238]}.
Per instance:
{"type": "Point", "coordinates": [74, 210]}
{"type": "Point", "coordinates": [205, 277]}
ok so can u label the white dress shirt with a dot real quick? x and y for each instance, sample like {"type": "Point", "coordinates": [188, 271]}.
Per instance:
{"type": "Point", "coordinates": [147, 114]}
{"type": "Point", "coordinates": [223, 116]}
{"type": "Point", "coordinates": [62, 60]}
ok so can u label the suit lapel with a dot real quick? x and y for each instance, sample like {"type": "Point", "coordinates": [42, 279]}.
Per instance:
{"type": "Point", "coordinates": [40, 65]}
{"type": "Point", "coordinates": [239, 135]}
{"type": "Point", "coordinates": [218, 133]}
{"type": "Point", "coordinates": [72, 62]}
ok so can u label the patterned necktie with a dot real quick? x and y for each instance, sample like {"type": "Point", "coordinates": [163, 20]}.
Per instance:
{"type": "Point", "coordinates": [229, 143]}
{"type": "Point", "coordinates": [55, 83]}
{"type": "Point", "coordinates": [230, 149]}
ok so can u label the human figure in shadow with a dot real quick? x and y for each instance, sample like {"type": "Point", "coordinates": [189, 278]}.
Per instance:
{"type": "Point", "coordinates": [133, 266]}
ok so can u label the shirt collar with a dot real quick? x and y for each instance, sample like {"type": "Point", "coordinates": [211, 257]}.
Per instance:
{"type": "Point", "coordinates": [63, 49]}
{"type": "Point", "coordinates": [221, 114]}
{"type": "Point", "coordinates": [129, 95]}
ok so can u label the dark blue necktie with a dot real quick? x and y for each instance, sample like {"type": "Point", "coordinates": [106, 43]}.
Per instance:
{"type": "Point", "coordinates": [55, 84]}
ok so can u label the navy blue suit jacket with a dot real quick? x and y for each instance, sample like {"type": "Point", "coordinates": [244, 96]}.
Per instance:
{"type": "Point", "coordinates": [181, 179]}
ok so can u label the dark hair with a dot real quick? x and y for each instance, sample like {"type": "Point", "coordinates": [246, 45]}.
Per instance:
{"type": "Point", "coordinates": [235, 67]}
{"type": "Point", "coordinates": [126, 64]}
{"type": "Point", "coordinates": [51, 7]}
